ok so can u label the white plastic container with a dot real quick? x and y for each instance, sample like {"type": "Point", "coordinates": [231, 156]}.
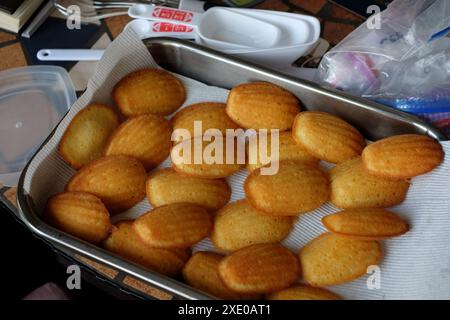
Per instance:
{"type": "Point", "coordinates": [299, 34]}
{"type": "Point", "coordinates": [32, 102]}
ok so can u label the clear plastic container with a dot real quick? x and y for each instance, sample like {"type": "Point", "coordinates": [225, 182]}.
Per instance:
{"type": "Point", "coordinates": [32, 101]}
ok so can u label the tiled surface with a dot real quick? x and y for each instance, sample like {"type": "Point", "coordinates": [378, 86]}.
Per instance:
{"type": "Point", "coordinates": [11, 56]}
{"type": "Point", "coordinates": [116, 24]}
{"type": "Point", "coordinates": [336, 31]}
{"type": "Point", "coordinates": [278, 5]}
{"type": "Point", "coordinates": [4, 37]}
{"type": "Point", "coordinates": [313, 6]}
{"type": "Point", "coordinates": [340, 14]}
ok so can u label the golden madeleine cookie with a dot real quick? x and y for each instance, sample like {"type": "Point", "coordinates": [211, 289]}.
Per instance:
{"type": "Point", "coordinates": [238, 225]}
{"type": "Point", "coordinates": [262, 105]}
{"type": "Point", "coordinates": [146, 138]}
{"type": "Point", "coordinates": [149, 91]}
{"type": "Point", "coordinates": [202, 272]}
{"type": "Point", "coordinates": [167, 186]}
{"type": "Point", "coordinates": [124, 242]}
{"type": "Point", "coordinates": [87, 134]}
{"type": "Point", "coordinates": [119, 181]}
{"type": "Point", "coordinates": [210, 115]}
{"type": "Point", "coordinates": [353, 187]}
{"type": "Point", "coordinates": [218, 158]}
{"type": "Point", "coordinates": [80, 214]}
{"type": "Point", "coordinates": [331, 259]}
{"type": "Point", "coordinates": [366, 224]}
{"type": "Point", "coordinates": [259, 268]}
{"type": "Point", "coordinates": [259, 151]}
{"type": "Point", "coordinates": [178, 225]}
{"type": "Point", "coordinates": [403, 156]}
{"type": "Point", "coordinates": [298, 187]}
{"type": "Point", "coordinates": [327, 137]}
{"type": "Point", "coordinates": [303, 292]}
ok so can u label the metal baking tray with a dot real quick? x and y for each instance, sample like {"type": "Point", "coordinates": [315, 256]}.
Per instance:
{"type": "Point", "coordinates": [214, 68]}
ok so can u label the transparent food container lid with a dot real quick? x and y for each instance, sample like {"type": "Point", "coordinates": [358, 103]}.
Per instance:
{"type": "Point", "coordinates": [32, 102]}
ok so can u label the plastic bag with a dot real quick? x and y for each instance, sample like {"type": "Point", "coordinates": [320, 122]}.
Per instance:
{"type": "Point", "coordinates": [405, 63]}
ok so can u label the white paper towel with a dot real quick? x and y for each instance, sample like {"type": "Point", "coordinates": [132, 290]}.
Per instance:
{"type": "Point", "coordinates": [415, 266]}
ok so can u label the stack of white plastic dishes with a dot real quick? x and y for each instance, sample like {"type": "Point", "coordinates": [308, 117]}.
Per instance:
{"type": "Point", "coordinates": [262, 36]}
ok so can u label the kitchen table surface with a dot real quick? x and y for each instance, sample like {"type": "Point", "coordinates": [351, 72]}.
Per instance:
{"type": "Point", "coordinates": [28, 262]}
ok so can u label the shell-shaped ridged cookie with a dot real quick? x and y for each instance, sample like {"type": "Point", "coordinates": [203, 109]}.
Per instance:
{"type": "Point", "coordinates": [287, 148]}
{"type": "Point", "coordinates": [403, 156]}
{"type": "Point", "coordinates": [238, 225]}
{"type": "Point", "coordinates": [146, 138]}
{"type": "Point", "coordinates": [124, 242]}
{"type": "Point", "coordinates": [303, 292]}
{"type": "Point", "coordinates": [212, 163]}
{"type": "Point", "coordinates": [262, 105]}
{"type": "Point", "coordinates": [202, 272]}
{"type": "Point", "coordinates": [331, 259]}
{"type": "Point", "coordinates": [260, 268]}
{"type": "Point", "coordinates": [178, 225]}
{"type": "Point", "coordinates": [167, 186]}
{"type": "Point", "coordinates": [327, 137]}
{"type": "Point", "coordinates": [119, 181]}
{"type": "Point", "coordinates": [149, 91]}
{"type": "Point", "coordinates": [298, 187]}
{"type": "Point", "coordinates": [87, 134]}
{"type": "Point", "coordinates": [80, 214]}
{"type": "Point", "coordinates": [353, 187]}
{"type": "Point", "coordinates": [212, 115]}
{"type": "Point", "coordinates": [366, 224]}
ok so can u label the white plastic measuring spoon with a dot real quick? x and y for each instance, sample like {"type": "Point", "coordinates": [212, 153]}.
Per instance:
{"type": "Point", "coordinates": [216, 28]}
{"type": "Point", "coordinates": [143, 28]}
{"type": "Point", "coordinates": [147, 29]}
{"type": "Point", "coordinates": [70, 54]}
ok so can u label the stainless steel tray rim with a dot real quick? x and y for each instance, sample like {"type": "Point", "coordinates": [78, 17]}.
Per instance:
{"type": "Point", "coordinates": [86, 249]}
{"type": "Point", "coordinates": [312, 86]}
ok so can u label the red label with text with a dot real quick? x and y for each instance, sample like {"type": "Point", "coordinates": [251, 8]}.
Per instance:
{"type": "Point", "coordinates": [170, 27]}
{"type": "Point", "coordinates": [173, 14]}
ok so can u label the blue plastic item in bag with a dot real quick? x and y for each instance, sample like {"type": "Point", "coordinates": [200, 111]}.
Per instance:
{"type": "Point", "coordinates": [405, 63]}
